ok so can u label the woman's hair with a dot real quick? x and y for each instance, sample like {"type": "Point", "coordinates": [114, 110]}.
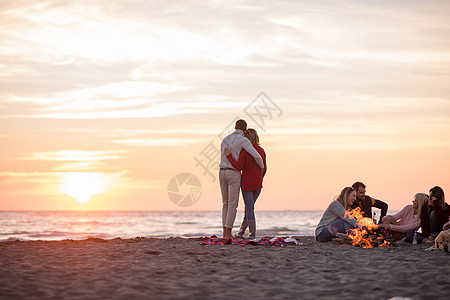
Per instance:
{"type": "Point", "coordinates": [252, 135]}
{"type": "Point", "coordinates": [422, 202]}
{"type": "Point", "coordinates": [343, 196]}
{"type": "Point", "coordinates": [439, 194]}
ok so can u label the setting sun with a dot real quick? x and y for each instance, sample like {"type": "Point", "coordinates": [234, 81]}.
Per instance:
{"type": "Point", "coordinates": [82, 186]}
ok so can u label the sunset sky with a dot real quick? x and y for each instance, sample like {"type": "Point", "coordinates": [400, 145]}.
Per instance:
{"type": "Point", "coordinates": [107, 101]}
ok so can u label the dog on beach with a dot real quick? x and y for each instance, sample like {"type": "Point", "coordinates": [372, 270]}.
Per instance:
{"type": "Point", "coordinates": [441, 242]}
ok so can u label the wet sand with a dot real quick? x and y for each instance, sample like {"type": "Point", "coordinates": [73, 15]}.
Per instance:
{"type": "Point", "coordinates": [180, 268]}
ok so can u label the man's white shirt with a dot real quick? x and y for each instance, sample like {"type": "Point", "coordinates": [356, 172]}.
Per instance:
{"type": "Point", "coordinates": [236, 142]}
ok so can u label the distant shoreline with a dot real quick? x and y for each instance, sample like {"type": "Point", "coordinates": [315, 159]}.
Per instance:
{"type": "Point", "coordinates": [61, 225]}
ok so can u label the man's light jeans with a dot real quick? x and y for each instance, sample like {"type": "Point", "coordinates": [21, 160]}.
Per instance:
{"type": "Point", "coordinates": [230, 183]}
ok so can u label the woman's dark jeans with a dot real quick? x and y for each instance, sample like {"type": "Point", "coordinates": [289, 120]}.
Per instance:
{"type": "Point", "coordinates": [435, 229]}
{"type": "Point", "coordinates": [329, 231]}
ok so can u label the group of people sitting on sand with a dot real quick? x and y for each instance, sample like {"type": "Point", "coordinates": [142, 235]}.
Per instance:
{"type": "Point", "coordinates": [429, 212]}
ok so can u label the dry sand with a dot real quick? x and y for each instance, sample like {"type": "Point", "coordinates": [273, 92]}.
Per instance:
{"type": "Point", "coordinates": [179, 268]}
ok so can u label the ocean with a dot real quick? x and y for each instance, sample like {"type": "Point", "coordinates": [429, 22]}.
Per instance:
{"type": "Point", "coordinates": [61, 225]}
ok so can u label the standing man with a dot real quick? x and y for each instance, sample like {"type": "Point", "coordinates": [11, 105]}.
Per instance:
{"type": "Point", "coordinates": [229, 177]}
{"type": "Point", "coordinates": [366, 202]}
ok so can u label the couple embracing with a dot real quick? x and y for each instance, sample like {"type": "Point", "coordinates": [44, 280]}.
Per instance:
{"type": "Point", "coordinates": [241, 151]}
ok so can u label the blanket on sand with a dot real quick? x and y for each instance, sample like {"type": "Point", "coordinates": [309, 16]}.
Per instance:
{"type": "Point", "coordinates": [277, 241]}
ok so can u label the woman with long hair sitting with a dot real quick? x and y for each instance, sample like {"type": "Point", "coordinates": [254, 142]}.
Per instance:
{"type": "Point", "coordinates": [432, 220]}
{"type": "Point", "coordinates": [336, 219]}
{"type": "Point", "coordinates": [408, 219]}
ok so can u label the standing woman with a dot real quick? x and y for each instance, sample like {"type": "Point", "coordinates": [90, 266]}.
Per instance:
{"type": "Point", "coordinates": [251, 183]}
{"type": "Point", "coordinates": [335, 219]}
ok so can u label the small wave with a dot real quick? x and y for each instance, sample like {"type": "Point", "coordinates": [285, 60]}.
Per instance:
{"type": "Point", "coordinates": [14, 233]}
{"type": "Point", "coordinates": [85, 223]}
{"type": "Point", "coordinates": [49, 234]}
{"type": "Point", "coordinates": [13, 239]}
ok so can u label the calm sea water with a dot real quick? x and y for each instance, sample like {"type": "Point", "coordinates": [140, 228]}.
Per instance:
{"type": "Point", "coordinates": [107, 225]}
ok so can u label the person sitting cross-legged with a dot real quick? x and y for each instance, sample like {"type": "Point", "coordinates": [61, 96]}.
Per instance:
{"type": "Point", "coordinates": [408, 219]}
{"type": "Point", "coordinates": [336, 219]}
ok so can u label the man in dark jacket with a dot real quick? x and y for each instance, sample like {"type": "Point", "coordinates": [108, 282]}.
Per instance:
{"type": "Point", "coordinates": [366, 202]}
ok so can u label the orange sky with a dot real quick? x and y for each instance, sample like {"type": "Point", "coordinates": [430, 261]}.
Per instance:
{"type": "Point", "coordinates": [107, 102]}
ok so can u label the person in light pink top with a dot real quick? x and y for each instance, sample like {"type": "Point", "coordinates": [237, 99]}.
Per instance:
{"type": "Point", "coordinates": [408, 219]}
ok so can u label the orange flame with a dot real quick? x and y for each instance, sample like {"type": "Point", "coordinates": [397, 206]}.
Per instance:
{"type": "Point", "coordinates": [363, 236]}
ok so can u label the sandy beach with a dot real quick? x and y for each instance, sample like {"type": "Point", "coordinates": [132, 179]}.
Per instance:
{"type": "Point", "coordinates": [177, 268]}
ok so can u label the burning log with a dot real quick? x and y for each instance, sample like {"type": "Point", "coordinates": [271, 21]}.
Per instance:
{"type": "Point", "coordinates": [370, 235]}
{"type": "Point", "coordinates": [342, 238]}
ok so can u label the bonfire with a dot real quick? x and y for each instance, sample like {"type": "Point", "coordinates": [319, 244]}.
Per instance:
{"type": "Point", "coordinates": [370, 235]}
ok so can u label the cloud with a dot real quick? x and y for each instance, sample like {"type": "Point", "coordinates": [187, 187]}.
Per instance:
{"type": "Point", "coordinates": [29, 177]}
{"type": "Point", "coordinates": [156, 142]}
{"type": "Point", "coordinates": [50, 182]}
{"type": "Point", "coordinates": [140, 53]}
{"type": "Point", "coordinates": [75, 155]}
{"type": "Point", "coordinates": [77, 166]}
